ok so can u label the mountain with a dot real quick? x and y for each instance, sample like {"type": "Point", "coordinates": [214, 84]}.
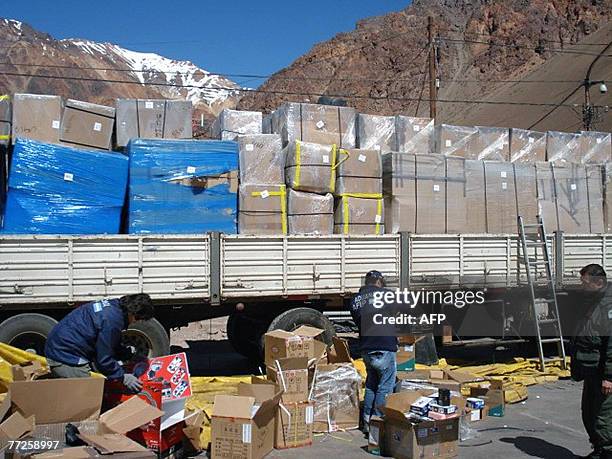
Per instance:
{"type": "Point", "coordinates": [486, 51]}
{"type": "Point", "coordinates": [100, 72]}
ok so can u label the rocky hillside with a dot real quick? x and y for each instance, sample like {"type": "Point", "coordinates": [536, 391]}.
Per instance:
{"type": "Point", "coordinates": [484, 48]}
{"type": "Point", "coordinates": [76, 67]}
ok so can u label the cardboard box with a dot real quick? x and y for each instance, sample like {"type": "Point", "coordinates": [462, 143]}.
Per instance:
{"type": "Point", "coordinates": [261, 159]}
{"type": "Point", "coordinates": [428, 439]}
{"type": "Point", "coordinates": [490, 143]}
{"type": "Point", "coordinates": [291, 378]}
{"type": "Point", "coordinates": [454, 140]}
{"type": "Point", "coordinates": [37, 117]}
{"type": "Point", "coordinates": [321, 124]}
{"type": "Point", "coordinates": [595, 194]}
{"type": "Point", "coordinates": [87, 125]}
{"type": "Point", "coordinates": [262, 209]}
{"type": "Point", "coordinates": [456, 202]}
{"type": "Point", "coordinates": [564, 147]}
{"type": "Point", "coordinates": [475, 201]}
{"type": "Point", "coordinates": [303, 342]}
{"type": "Point", "coordinates": [596, 147]}
{"type": "Point", "coordinates": [310, 167]}
{"type": "Point", "coordinates": [153, 119]}
{"type": "Point", "coordinates": [527, 146]}
{"type": "Point", "coordinates": [493, 398]}
{"type": "Point", "coordinates": [376, 132]}
{"type": "Point", "coordinates": [501, 198]}
{"type": "Point", "coordinates": [547, 200]}
{"type": "Point", "coordinates": [359, 215]}
{"type": "Point", "coordinates": [376, 436]}
{"type": "Point", "coordinates": [359, 172]}
{"type": "Point", "coordinates": [5, 119]}
{"type": "Point", "coordinates": [294, 425]}
{"type": "Point", "coordinates": [431, 194]}
{"type": "Point", "coordinates": [572, 198]}
{"type": "Point", "coordinates": [232, 123]}
{"type": "Point", "coordinates": [194, 426]}
{"type": "Point", "coordinates": [414, 135]}
{"type": "Point", "coordinates": [400, 214]}
{"type": "Point", "coordinates": [28, 371]}
{"type": "Point", "coordinates": [310, 213]}
{"type": "Point", "coordinates": [399, 188]}
{"type": "Point", "coordinates": [526, 192]}
{"type": "Point", "coordinates": [608, 197]}
{"type": "Point", "coordinates": [453, 380]}
{"type": "Point", "coordinates": [243, 425]}
{"type": "Point", "coordinates": [335, 393]}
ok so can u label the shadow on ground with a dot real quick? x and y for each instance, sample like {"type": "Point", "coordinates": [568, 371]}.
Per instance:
{"type": "Point", "coordinates": [216, 358]}
{"type": "Point", "coordinates": [537, 447]}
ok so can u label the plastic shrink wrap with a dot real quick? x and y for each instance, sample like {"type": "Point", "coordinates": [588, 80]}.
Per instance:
{"type": "Point", "coordinates": [55, 189]}
{"type": "Point", "coordinates": [596, 147]}
{"type": "Point", "coordinates": [563, 147]}
{"type": "Point", "coordinates": [262, 209]}
{"type": "Point", "coordinates": [414, 135]}
{"type": "Point", "coordinates": [310, 213]}
{"type": "Point", "coordinates": [356, 215]}
{"type": "Point", "coordinates": [262, 161]}
{"type": "Point", "coordinates": [310, 167]}
{"type": "Point", "coordinates": [359, 171]}
{"type": "Point", "coordinates": [182, 186]}
{"type": "Point", "coordinates": [527, 146]}
{"type": "Point", "coordinates": [231, 123]}
{"type": "Point", "coordinates": [335, 393]}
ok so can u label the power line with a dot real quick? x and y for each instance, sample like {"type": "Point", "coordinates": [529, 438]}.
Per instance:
{"type": "Point", "coordinates": [287, 93]}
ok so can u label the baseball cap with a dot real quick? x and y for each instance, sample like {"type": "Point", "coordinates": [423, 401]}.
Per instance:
{"type": "Point", "coordinates": [375, 275]}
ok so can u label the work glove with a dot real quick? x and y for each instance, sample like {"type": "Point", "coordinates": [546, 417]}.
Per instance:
{"type": "Point", "coordinates": [132, 382]}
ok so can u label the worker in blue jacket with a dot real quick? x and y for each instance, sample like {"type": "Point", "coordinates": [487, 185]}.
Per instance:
{"type": "Point", "coordinates": [91, 335]}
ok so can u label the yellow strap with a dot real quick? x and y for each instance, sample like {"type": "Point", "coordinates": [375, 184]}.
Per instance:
{"type": "Point", "coordinates": [363, 195]}
{"type": "Point", "coordinates": [332, 178]}
{"type": "Point", "coordinates": [283, 202]}
{"type": "Point", "coordinates": [298, 160]}
{"type": "Point", "coordinates": [378, 213]}
{"type": "Point", "coordinates": [5, 137]}
{"type": "Point", "coordinates": [345, 209]}
{"type": "Point", "coordinates": [5, 97]}
{"type": "Point", "coordinates": [342, 151]}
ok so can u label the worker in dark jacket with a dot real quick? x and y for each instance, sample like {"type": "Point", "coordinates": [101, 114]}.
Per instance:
{"type": "Point", "coordinates": [378, 352]}
{"type": "Point", "coordinates": [592, 360]}
{"type": "Point", "coordinates": [91, 334]}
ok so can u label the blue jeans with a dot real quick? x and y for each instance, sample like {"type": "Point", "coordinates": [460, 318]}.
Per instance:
{"type": "Point", "coordinates": [380, 381]}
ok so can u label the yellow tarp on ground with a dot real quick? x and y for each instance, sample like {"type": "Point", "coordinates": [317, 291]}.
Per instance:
{"type": "Point", "coordinates": [520, 373]}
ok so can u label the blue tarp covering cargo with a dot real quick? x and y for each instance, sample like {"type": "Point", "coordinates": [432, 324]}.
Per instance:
{"type": "Point", "coordinates": [182, 186]}
{"type": "Point", "coordinates": [54, 189]}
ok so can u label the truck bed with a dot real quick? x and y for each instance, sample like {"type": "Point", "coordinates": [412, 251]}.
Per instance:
{"type": "Point", "coordinates": [216, 268]}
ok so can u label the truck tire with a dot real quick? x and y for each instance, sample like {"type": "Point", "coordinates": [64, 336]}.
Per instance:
{"type": "Point", "coordinates": [27, 331]}
{"type": "Point", "coordinates": [244, 333]}
{"type": "Point", "coordinates": [149, 337]}
{"type": "Point", "coordinates": [294, 318]}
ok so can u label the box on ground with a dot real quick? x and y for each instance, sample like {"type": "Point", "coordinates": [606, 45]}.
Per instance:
{"type": "Point", "coordinates": [291, 377]}
{"type": "Point", "coordinates": [294, 422]}
{"type": "Point", "coordinates": [405, 356]}
{"type": "Point", "coordinates": [303, 342]}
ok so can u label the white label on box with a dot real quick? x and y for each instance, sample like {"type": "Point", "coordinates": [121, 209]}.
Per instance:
{"type": "Point", "coordinates": [409, 348]}
{"type": "Point", "coordinates": [265, 194]}
{"type": "Point", "coordinates": [55, 124]}
{"type": "Point", "coordinates": [249, 147]}
{"type": "Point", "coordinates": [531, 140]}
{"type": "Point", "coordinates": [190, 170]}
{"type": "Point", "coordinates": [320, 124]}
{"type": "Point", "coordinates": [68, 177]}
{"type": "Point", "coordinates": [362, 158]}
{"type": "Point", "coordinates": [421, 433]}
{"type": "Point", "coordinates": [326, 159]}
{"type": "Point", "coordinates": [436, 187]}
{"type": "Point", "coordinates": [246, 433]}
{"type": "Point", "coordinates": [599, 140]}
{"type": "Point", "coordinates": [97, 127]}
{"type": "Point", "coordinates": [148, 104]}
{"type": "Point", "coordinates": [504, 185]}
{"type": "Point", "coordinates": [475, 415]}
{"type": "Point", "coordinates": [309, 415]}
{"type": "Point", "coordinates": [448, 143]}
{"type": "Point", "coordinates": [378, 219]}
{"type": "Point", "coordinates": [416, 128]}
{"type": "Point", "coordinates": [504, 174]}
{"type": "Point", "coordinates": [573, 186]}
{"type": "Point", "coordinates": [376, 147]}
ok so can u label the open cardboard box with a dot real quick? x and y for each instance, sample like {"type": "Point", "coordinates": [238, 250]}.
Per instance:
{"type": "Point", "coordinates": [303, 342]}
{"type": "Point", "coordinates": [243, 425]}
{"type": "Point", "coordinates": [442, 378]}
{"type": "Point", "coordinates": [493, 397]}
{"type": "Point", "coordinates": [292, 377]}
{"type": "Point", "coordinates": [404, 439]}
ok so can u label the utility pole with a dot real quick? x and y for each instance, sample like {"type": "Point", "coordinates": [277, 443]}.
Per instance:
{"type": "Point", "coordinates": [589, 113]}
{"type": "Point", "coordinates": [433, 90]}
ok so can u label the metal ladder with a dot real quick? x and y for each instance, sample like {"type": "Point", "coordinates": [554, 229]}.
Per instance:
{"type": "Point", "coordinates": [547, 298]}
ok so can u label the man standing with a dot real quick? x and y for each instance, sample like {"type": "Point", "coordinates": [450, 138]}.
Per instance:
{"type": "Point", "coordinates": [91, 334]}
{"type": "Point", "coordinates": [378, 352]}
{"type": "Point", "coordinates": [592, 360]}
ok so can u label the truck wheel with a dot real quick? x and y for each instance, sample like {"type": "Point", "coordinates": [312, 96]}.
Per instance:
{"type": "Point", "coordinates": [27, 331]}
{"type": "Point", "coordinates": [295, 318]}
{"type": "Point", "coordinates": [149, 337]}
{"type": "Point", "coordinates": [244, 333]}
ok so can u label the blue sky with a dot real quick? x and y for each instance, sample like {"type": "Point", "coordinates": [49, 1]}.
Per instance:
{"type": "Point", "coordinates": [257, 37]}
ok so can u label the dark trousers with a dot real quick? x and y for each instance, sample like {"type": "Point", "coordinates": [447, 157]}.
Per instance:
{"type": "Point", "coordinates": [597, 415]}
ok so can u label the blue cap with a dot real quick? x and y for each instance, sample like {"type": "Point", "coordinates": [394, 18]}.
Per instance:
{"type": "Point", "coordinates": [375, 275]}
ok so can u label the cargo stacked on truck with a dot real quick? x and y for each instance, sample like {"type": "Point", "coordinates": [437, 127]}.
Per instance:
{"type": "Point", "coordinates": [275, 221]}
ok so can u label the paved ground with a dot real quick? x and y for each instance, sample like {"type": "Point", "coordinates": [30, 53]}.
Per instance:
{"type": "Point", "coordinates": [547, 425]}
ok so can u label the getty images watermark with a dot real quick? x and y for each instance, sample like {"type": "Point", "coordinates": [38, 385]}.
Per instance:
{"type": "Point", "coordinates": [393, 312]}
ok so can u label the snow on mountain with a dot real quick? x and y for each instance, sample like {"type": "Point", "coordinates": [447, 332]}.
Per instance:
{"type": "Point", "coordinates": [173, 78]}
